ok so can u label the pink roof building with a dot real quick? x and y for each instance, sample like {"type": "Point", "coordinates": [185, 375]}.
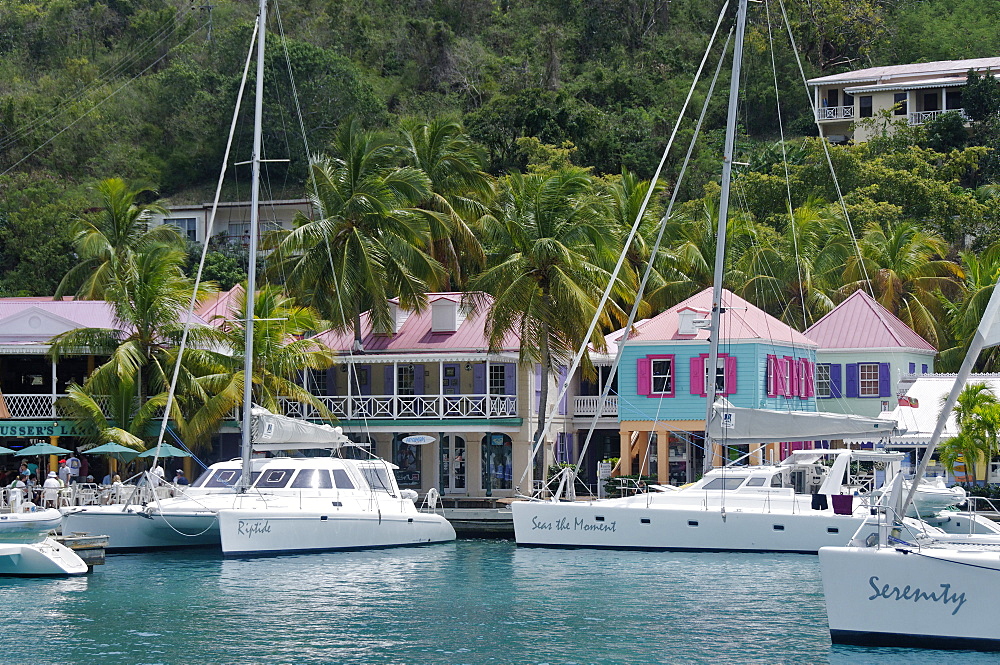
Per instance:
{"type": "Point", "coordinates": [866, 357]}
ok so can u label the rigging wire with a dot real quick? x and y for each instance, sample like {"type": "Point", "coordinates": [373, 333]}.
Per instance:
{"type": "Point", "coordinates": [826, 152]}
{"type": "Point", "coordinates": [65, 106]}
{"type": "Point", "coordinates": [93, 108]}
{"type": "Point", "coordinates": [627, 245]}
{"type": "Point", "coordinates": [656, 246]}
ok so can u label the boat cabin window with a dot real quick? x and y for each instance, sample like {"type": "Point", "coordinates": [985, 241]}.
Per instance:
{"type": "Point", "coordinates": [756, 482]}
{"type": "Point", "coordinates": [274, 478]}
{"type": "Point", "coordinates": [776, 480]}
{"type": "Point", "coordinates": [377, 478]}
{"type": "Point", "coordinates": [318, 479]}
{"type": "Point", "coordinates": [341, 480]}
{"type": "Point", "coordinates": [723, 484]}
{"type": "Point", "coordinates": [219, 478]}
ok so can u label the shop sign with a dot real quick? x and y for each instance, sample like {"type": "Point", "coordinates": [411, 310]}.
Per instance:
{"type": "Point", "coordinates": [30, 428]}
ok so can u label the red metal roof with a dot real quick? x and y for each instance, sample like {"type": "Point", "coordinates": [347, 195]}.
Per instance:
{"type": "Point", "coordinates": [861, 323]}
{"type": "Point", "coordinates": [741, 320]}
{"type": "Point", "coordinates": [415, 334]}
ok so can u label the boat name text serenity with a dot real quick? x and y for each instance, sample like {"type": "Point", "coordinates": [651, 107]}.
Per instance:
{"type": "Point", "coordinates": [915, 594]}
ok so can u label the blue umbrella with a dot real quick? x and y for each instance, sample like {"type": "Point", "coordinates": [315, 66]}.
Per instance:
{"type": "Point", "coordinates": [6, 451]}
{"type": "Point", "coordinates": [166, 450]}
{"type": "Point", "coordinates": [43, 449]}
{"type": "Point", "coordinates": [116, 450]}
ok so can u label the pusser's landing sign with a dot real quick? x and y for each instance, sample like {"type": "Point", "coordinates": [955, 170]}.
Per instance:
{"type": "Point", "coordinates": [41, 428]}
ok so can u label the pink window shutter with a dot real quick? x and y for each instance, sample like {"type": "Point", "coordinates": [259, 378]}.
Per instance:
{"type": "Point", "coordinates": [772, 376]}
{"type": "Point", "coordinates": [643, 381]}
{"type": "Point", "coordinates": [730, 370]}
{"type": "Point", "coordinates": [810, 379]}
{"type": "Point", "coordinates": [697, 366]}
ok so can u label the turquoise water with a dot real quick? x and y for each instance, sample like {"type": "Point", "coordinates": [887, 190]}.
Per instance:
{"type": "Point", "coordinates": [466, 602]}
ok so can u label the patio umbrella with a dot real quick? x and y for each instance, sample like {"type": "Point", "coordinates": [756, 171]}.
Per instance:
{"type": "Point", "coordinates": [43, 449]}
{"type": "Point", "coordinates": [116, 450]}
{"type": "Point", "coordinates": [6, 451]}
{"type": "Point", "coordinates": [166, 450]}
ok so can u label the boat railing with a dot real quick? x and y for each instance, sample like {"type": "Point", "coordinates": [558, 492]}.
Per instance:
{"type": "Point", "coordinates": [982, 504]}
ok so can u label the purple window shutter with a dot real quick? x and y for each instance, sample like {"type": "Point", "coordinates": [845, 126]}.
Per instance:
{"type": "Point", "coordinates": [836, 385]}
{"type": "Point", "coordinates": [730, 370]}
{"type": "Point", "coordinates": [923, 369]}
{"type": "Point", "coordinates": [643, 377]}
{"type": "Point", "coordinates": [419, 378]}
{"type": "Point", "coordinates": [509, 379]}
{"type": "Point", "coordinates": [389, 386]}
{"type": "Point", "coordinates": [913, 368]}
{"type": "Point", "coordinates": [538, 388]}
{"type": "Point", "coordinates": [884, 376]}
{"type": "Point", "coordinates": [479, 379]}
{"type": "Point", "coordinates": [697, 365]}
{"type": "Point", "coordinates": [772, 376]}
{"type": "Point", "coordinates": [364, 379]}
{"type": "Point", "coordinates": [852, 379]}
{"type": "Point", "coordinates": [563, 371]}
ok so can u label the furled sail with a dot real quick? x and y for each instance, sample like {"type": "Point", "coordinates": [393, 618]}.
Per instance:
{"type": "Point", "coordinates": [272, 431]}
{"type": "Point", "coordinates": [738, 425]}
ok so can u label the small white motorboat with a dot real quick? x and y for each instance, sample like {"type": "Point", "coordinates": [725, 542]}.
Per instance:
{"type": "Point", "coordinates": [27, 550]}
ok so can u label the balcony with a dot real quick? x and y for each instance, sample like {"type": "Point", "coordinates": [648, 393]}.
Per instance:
{"type": "Point", "coordinates": [587, 405]}
{"type": "Point", "coordinates": [835, 113]}
{"type": "Point", "coordinates": [920, 117]}
{"type": "Point", "coordinates": [428, 407]}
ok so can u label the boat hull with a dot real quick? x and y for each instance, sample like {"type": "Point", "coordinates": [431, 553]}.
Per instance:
{"type": "Point", "coordinates": [132, 528]}
{"type": "Point", "coordinates": [274, 531]}
{"type": "Point", "coordinates": [600, 525]}
{"type": "Point", "coordinates": [47, 558]}
{"type": "Point", "coordinates": [933, 598]}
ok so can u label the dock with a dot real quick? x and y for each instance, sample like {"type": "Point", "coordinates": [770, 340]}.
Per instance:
{"type": "Point", "coordinates": [478, 517]}
{"type": "Point", "coordinates": [89, 548]}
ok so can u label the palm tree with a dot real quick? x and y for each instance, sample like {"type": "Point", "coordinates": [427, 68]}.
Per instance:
{"type": "Point", "coordinates": [626, 194]}
{"type": "Point", "coordinates": [107, 242]}
{"type": "Point", "coordinates": [149, 294]}
{"type": "Point", "coordinates": [461, 190]}
{"type": "Point", "coordinates": [281, 352]}
{"type": "Point", "coordinates": [977, 412]}
{"type": "Point", "coordinates": [904, 269]}
{"type": "Point", "coordinates": [981, 274]}
{"type": "Point", "coordinates": [369, 243]}
{"type": "Point", "coordinates": [550, 240]}
{"type": "Point", "coordinates": [788, 273]}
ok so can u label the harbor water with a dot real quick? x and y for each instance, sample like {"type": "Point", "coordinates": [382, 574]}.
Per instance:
{"type": "Point", "coordinates": [465, 602]}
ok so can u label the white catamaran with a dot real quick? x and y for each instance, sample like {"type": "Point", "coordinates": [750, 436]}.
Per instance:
{"type": "Point", "coordinates": [284, 504]}
{"type": "Point", "coordinates": [890, 589]}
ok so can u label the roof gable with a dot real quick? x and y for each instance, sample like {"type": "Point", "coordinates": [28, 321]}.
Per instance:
{"type": "Point", "coordinates": [34, 321]}
{"type": "Point", "coordinates": [861, 323]}
{"type": "Point", "coordinates": [741, 321]}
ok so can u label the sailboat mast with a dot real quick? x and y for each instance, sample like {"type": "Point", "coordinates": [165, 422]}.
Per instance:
{"type": "Point", "coordinates": [246, 442]}
{"type": "Point", "coordinates": [720, 238]}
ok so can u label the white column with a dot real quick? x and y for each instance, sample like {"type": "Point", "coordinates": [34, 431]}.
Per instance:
{"type": "Point", "coordinates": [52, 406]}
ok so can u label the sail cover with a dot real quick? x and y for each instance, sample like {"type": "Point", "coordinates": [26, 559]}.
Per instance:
{"type": "Point", "coordinates": [276, 432]}
{"type": "Point", "coordinates": [736, 425]}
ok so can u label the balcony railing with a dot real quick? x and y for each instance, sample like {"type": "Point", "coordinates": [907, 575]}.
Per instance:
{"type": "Point", "coordinates": [587, 405]}
{"type": "Point", "coordinates": [430, 407]}
{"type": "Point", "coordinates": [920, 117]}
{"type": "Point", "coordinates": [835, 113]}
{"type": "Point", "coordinates": [356, 407]}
